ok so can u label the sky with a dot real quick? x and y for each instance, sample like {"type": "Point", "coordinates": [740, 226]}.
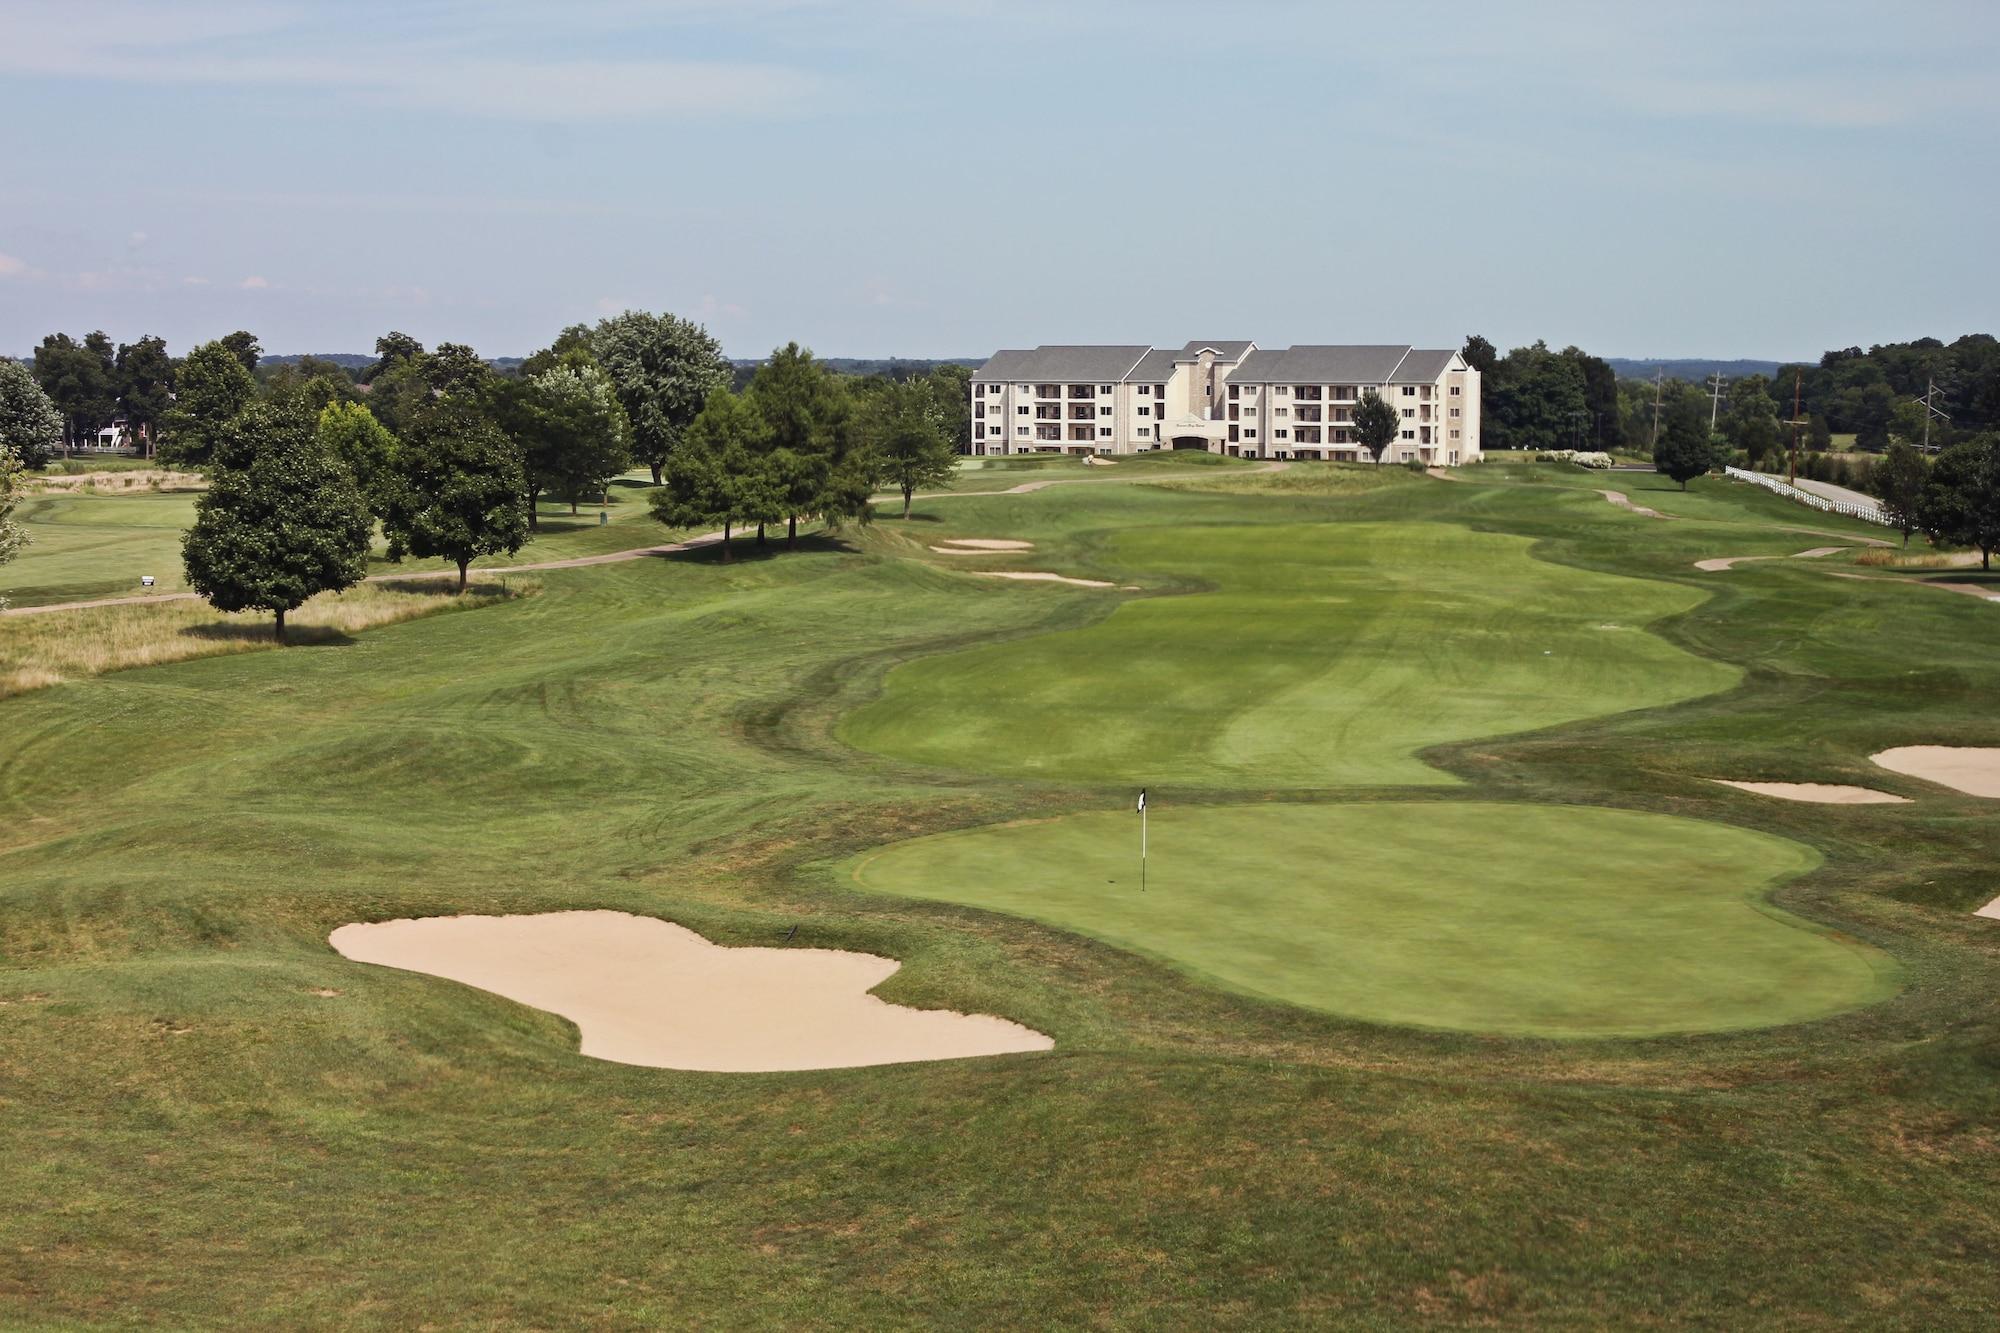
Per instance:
{"type": "Point", "coordinates": [894, 178]}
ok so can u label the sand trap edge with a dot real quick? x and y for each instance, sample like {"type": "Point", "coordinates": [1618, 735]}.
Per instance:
{"type": "Point", "coordinates": [1973, 770]}
{"type": "Point", "coordinates": [1816, 793]}
{"type": "Point", "coordinates": [646, 991]}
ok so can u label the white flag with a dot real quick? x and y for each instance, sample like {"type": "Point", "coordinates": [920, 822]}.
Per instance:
{"type": "Point", "coordinates": [1142, 802]}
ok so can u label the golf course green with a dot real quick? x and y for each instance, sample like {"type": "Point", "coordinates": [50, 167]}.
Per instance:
{"type": "Point", "coordinates": [1527, 920]}
{"type": "Point", "coordinates": [1297, 655]}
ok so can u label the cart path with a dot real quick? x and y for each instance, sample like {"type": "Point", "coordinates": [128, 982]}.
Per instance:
{"type": "Point", "coordinates": [401, 576]}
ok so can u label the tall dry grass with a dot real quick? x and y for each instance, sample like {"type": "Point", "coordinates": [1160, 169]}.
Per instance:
{"type": "Point", "coordinates": [49, 648]}
{"type": "Point", "coordinates": [1882, 557]}
{"type": "Point", "coordinates": [114, 483]}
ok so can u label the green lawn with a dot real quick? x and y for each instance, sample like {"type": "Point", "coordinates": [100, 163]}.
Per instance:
{"type": "Point", "coordinates": [1481, 917]}
{"type": "Point", "coordinates": [85, 546]}
{"type": "Point", "coordinates": [1295, 655]}
{"type": "Point", "coordinates": [208, 1118]}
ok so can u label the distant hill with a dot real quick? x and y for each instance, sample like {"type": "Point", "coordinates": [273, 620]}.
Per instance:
{"type": "Point", "coordinates": [345, 360]}
{"type": "Point", "coordinates": [1694, 369]}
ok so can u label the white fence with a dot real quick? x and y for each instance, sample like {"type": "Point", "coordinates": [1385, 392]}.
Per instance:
{"type": "Point", "coordinates": [1868, 513]}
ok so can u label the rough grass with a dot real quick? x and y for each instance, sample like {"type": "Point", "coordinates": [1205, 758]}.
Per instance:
{"type": "Point", "coordinates": [1304, 478]}
{"type": "Point", "coordinates": [129, 479]}
{"type": "Point", "coordinates": [50, 648]}
{"type": "Point", "coordinates": [1883, 557]}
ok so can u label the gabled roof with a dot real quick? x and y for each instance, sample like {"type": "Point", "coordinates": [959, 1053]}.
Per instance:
{"type": "Point", "coordinates": [1231, 350]}
{"type": "Point", "coordinates": [1156, 367]}
{"type": "Point", "coordinates": [1360, 364]}
{"type": "Point", "coordinates": [1057, 364]}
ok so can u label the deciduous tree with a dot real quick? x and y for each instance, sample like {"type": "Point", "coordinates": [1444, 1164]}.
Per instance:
{"type": "Point", "coordinates": [30, 425]}
{"type": "Point", "coordinates": [285, 525]}
{"type": "Point", "coordinates": [1898, 482]}
{"type": "Point", "coordinates": [79, 379]}
{"type": "Point", "coordinates": [145, 383]}
{"type": "Point", "coordinates": [908, 441]}
{"type": "Point", "coordinates": [210, 387]}
{"type": "Point", "coordinates": [719, 471]}
{"type": "Point", "coordinates": [1376, 423]}
{"type": "Point", "coordinates": [1686, 449]}
{"type": "Point", "coordinates": [664, 368]}
{"type": "Point", "coordinates": [12, 539]}
{"type": "Point", "coordinates": [1961, 501]}
{"type": "Point", "coordinates": [454, 488]}
{"type": "Point", "coordinates": [349, 433]}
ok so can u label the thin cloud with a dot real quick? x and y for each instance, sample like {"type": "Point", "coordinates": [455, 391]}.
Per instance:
{"type": "Point", "coordinates": [11, 267]}
{"type": "Point", "coordinates": [253, 283]}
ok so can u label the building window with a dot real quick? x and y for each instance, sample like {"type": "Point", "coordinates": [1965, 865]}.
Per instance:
{"type": "Point", "coordinates": [1020, 430]}
{"type": "Point", "coordinates": [1282, 412]}
{"type": "Point", "coordinates": [1104, 388]}
{"type": "Point", "coordinates": [1144, 410]}
{"type": "Point", "coordinates": [1409, 411]}
{"type": "Point", "coordinates": [1280, 389]}
{"type": "Point", "coordinates": [1234, 391]}
{"type": "Point", "coordinates": [1279, 434]}
{"type": "Point", "coordinates": [1409, 435]}
{"type": "Point", "coordinates": [1454, 435]}
{"type": "Point", "coordinates": [1250, 433]}
{"type": "Point", "coordinates": [992, 430]}
{"type": "Point", "coordinates": [1021, 411]}
{"type": "Point", "coordinates": [1409, 391]}
{"type": "Point", "coordinates": [1454, 391]}
{"type": "Point", "coordinates": [1104, 411]}
{"type": "Point", "coordinates": [979, 391]}
{"type": "Point", "coordinates": [1103, 431]}
{"type": "Point", "coordinates": [1454, 411]}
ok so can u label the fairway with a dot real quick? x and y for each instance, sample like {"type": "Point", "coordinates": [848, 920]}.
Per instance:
{"type": "Point", "coordinates": [1523, 920]}
{"type": "Point", "coordinates": [1300, 655]}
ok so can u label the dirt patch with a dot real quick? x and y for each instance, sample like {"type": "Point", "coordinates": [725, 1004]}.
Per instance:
{"type": "Point", "coordinates": [642, 991]}
{"type": "Point", "coordinates": [1974, 770]}
{"type": "Point", "coordinates": [1620, 499]}
{"type": "Point", "coordinates": [1819, 793]}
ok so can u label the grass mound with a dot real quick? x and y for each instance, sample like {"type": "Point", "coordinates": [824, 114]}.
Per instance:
{"type": "Point", "coordinates": [1514, 919]}
{"type": "Point", "coordinates": [1325, 653]}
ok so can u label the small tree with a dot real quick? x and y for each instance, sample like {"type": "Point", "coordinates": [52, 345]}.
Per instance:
{"type": "Point", "coordinates": [210, 387]}
{"type": "Point", "coordinates": [720, 471]}
{"type": "Point", "coordinates": [454, 489]}
{"type": "Point", "coordinates": [1686, 449]}
{"type": "Point", "coordinates": [1376, 423]}
{"type": "Point", "coordinates": [1961, 502]}
{"type": "Point", "coordinates": [909, 444]}
{"type": "Point", "coordinates": [30, 425]}
{"type": "Point", "coordinates": [1899, 481]}
{"type": "Point", "coordinates": [288, 524]}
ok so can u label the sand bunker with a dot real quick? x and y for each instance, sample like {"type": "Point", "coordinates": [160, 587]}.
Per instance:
{"type": "Point", "coordinates": [1037, 577]}
{"type": "Point", "coordinates": [1728, 561]}
{"type": "Point", "coordinates": [1974, 770]}
{"type": "Point", "coordinates": [647, 992]}
{"type": "Point", "coordinates": [974, 545]}
{"type": "Point", "coordinates": [1991, 909]}
{"type": "Point", "coordinates": [1620, 499]}
{"type": "Point", "coordinates": [1820, 793]}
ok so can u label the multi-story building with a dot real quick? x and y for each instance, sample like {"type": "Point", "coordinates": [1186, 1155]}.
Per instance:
{"type": "Point", "coordinates": [1226, 397]}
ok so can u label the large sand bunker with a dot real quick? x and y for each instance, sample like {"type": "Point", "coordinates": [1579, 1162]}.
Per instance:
{"type": "Point", "coordinates": [642, 991]}
{"type": "Point", "coordinates": [1972, 769]}
{"type": "Point", "coordinates": [1820, 793]}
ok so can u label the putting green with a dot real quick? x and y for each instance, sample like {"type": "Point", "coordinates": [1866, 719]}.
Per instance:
{"type": "Point", "coordinates": [1555, 921]}
{"type": "Point", "coordinates": [1327, 653]}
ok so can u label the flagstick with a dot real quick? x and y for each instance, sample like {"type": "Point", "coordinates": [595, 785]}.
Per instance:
{"type": "Point", "coordinates": [1142, 849]}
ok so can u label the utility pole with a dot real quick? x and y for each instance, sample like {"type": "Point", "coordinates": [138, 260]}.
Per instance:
{"type": "Point", "coordinates": [1929, 400]}
{"type": "Point", "coordinates": [1715, 383]}
{"type": "Point", "coordinates": [1798, 419]}
{"type": "Point", "coordinates": [1659, 382]}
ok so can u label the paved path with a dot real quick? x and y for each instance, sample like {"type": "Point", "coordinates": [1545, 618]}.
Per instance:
{"type": "Point", "coordinates": [1623, 501]}
{"type": "Point", "coordinates": [400, 576]}
{"type": "Point", "coordinates": [1826, 490]}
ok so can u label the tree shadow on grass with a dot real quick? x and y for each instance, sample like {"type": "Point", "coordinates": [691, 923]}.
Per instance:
{"type": "Point", "coordinates": [296, 636]}
{"type": "Point", "coordinates": [744, 550]}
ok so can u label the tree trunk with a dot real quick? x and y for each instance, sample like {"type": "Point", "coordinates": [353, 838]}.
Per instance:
{"type": "Point", "coordinates": [760, 532]}
{"type": "Point", "coordinates": [656, 474]}
{"type": "Point", "coordinates": [278, 628]}
{"type": "Point", "coordinates": [906, 502]}
{"type": "Point", "coordinates": [726, 525]}
{"type": "Point", "coordinates": [572, 506]}
{"type": "Point", "coordinates": [461, 574]}
{"type": "Point", "coordinates": [534, 504]}
{"type": "Point", "coordinates": [791, 532]}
